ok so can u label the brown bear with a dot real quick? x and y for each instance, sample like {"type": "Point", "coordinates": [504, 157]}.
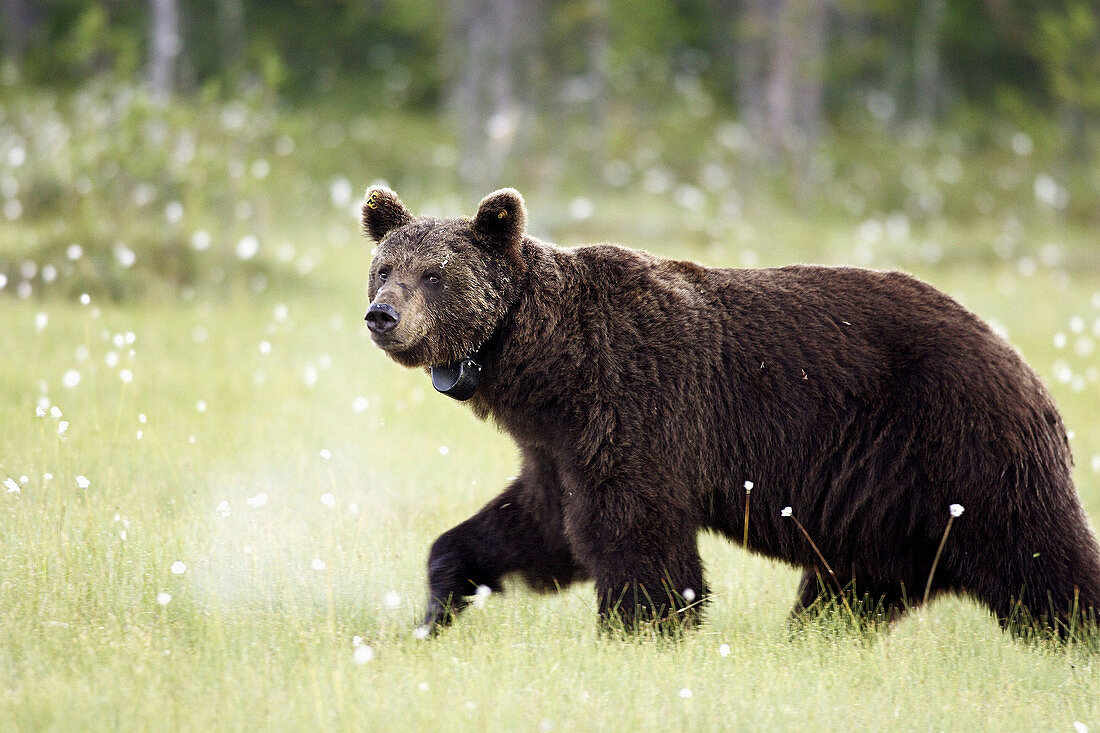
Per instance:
{"type": "Point", "coordinates": [643, 393]}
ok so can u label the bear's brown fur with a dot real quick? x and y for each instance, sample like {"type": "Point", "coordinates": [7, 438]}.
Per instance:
{"type": "Point", "coordinates": [644, 392]}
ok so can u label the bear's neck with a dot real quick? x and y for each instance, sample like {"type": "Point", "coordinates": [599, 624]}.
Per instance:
{"type": "Point", "coordinates": [533, 365]}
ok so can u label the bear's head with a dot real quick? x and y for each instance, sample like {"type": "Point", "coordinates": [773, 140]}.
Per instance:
{"type": "Point", "coordinates": [440, 287]}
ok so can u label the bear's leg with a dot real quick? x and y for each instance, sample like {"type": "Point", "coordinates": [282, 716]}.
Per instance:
{"type": "Point", "coordinates": [1037, 570]}
{"type": "Point", "coordinates": [518, 532]}
{"type": "Point", "coordinates": [665, 592]}
{"type": "Point", "coordinates": [871, 602]}
{"type": "Point", "coordinates": [1059, 597]}
{"type": "Point", "coordinates": [647, 567]}
{"type": "Point", "coordinates": [812, 594]}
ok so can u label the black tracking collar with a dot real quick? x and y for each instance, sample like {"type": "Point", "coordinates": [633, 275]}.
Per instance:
{"type": "Point", "coordinates": [457, 379]}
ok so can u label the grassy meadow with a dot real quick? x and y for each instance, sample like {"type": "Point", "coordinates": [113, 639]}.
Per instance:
{"type": "Point", "coordinates": [220, 518]}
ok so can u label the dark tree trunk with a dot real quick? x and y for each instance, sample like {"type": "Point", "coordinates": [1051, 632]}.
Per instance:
{"type": "Point", "coordinates": [231, 31]}
{"type": "Point", "coordinates": [926, 59]}
{"type": "Point", "coordinates": [780, 63]}
{"type": "Point", "coordinates": [488, 42]}
{"type": "Point", "coordinates": [751, 59]}
{"type": "Point", "coordinates": [17, 21]}
{"type": "Point", "coordinates": [164, 47]}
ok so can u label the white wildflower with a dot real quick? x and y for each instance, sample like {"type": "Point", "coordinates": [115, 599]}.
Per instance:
{"type": "Point", "coordinates": [787, 511]}
{"type": "Point", "coordinates": [125, 256]}
{"type": "Point", "coordinates": [71, 378]}
{"type": "Point", "coordinates": [173, 212]}
{"type": "Point", "coordinates": [317, 564]}
{"type": "Point", "coordinates": [956, 510]}
{"type": "Point", "coordinates": [178, 567]}
{"type": "Point", "coordinates": [256, 501]}
{"type": "Point", "coordinates": [248, 247]}
{"type": "Point", "coordinates": [724, 650]}
{"type": "Point", "coordinates": [362, 654]}
{"type": "Point", "coordinates": [310, 374]}
{"type": "Point", "coordinates": [328, 500]}
{"type": "Point", "coordinates": [163, 598]}
{"type": "Point", "coordinates": [83, 482]}
{"type": "Point", "coordinates": [581, 208]}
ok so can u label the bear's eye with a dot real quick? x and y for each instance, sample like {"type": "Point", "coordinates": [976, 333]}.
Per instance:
{"type": "Point", "coordinates": [384, 274]}
{"type": "Point", "coordinates": [431, 277]}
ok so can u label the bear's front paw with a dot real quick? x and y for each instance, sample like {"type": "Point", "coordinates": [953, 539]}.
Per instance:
{"type": "Point", "coordinates": [662, 619]}
{"type": "Point", "coordinates": [440, 614]}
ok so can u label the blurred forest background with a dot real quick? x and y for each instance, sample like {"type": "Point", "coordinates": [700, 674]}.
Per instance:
{"type": "Point", "coordinates": [929, 128]}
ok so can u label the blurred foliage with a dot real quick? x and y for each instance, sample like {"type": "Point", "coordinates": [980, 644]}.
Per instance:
{"type": "Point", "coordinates": [295, 47]}
{"type": "Point", "coordinates": [286, 109]}
{"type": "Point", "coordinates": [107, 192]}
{"type": "Point", "coordinates": [209, 194]}
{"type": "Point", "coordinates": [1069, 42]}
{"type": "Point", "coordinates": [395, 50]}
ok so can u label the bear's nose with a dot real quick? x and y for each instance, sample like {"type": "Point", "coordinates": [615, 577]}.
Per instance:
{"type": "Point", "coordinates": [382, 318]}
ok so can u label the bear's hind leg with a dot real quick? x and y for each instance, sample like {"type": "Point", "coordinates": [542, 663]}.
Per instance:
{"type": "Point", "coordinates": [1057, 598]}
{"type": "Point", "coordinates": [872, 604]}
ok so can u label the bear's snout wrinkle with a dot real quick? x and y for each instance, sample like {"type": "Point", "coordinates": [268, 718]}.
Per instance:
{"type": "Point", "coordinates": [382, 318]}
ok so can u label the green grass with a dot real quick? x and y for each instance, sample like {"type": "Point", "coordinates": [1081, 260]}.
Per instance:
{"type": "Point", "coordinates": [254, 637]}
{"type": "Point", "coordinates": [264, 640]}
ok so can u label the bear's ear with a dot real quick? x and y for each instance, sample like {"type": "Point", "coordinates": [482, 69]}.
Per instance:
{"type": "Point", "coordinates": [383, 212]}
{"type": "Point", "coordinates": [501, 217]}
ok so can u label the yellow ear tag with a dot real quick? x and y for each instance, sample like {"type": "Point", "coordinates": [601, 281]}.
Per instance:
{"type": "Point", "coordinates": [502, 214]}
{"type": "Point", "coordinates": [371, 202]}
